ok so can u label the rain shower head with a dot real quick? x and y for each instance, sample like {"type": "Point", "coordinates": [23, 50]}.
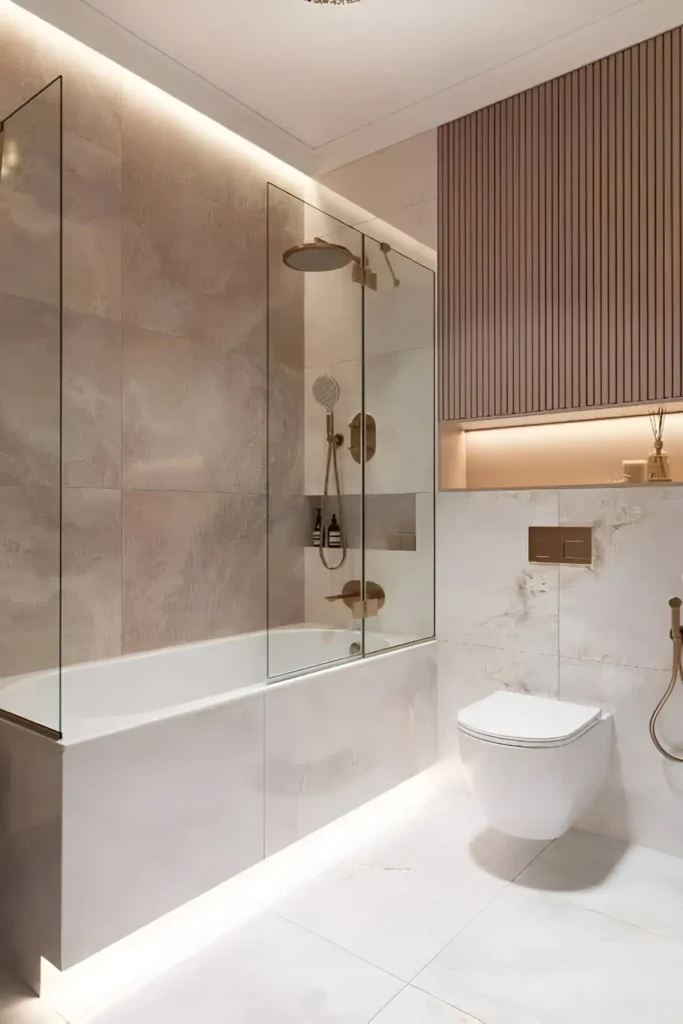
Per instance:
{"type": "Point", "coordinates": [326, 392]}
{"type": "Point", "coordinates": [317, 257]}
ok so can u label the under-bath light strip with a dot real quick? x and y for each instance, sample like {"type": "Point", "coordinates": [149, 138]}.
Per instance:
{"type": "Point", "coordinates": [83, 991]}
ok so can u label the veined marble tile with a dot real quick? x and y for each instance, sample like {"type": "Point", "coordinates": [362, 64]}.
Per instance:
{"type": "Point", "coordinates": [642, 799]}
{"type": "Point", "coordinates": [30, 386]}
{"type": "Point", "coordinates": [337, 739]}
{"type": "Point", "coordinates": [92, 401]}
{"type": "Point", "coordinates": [92, 228]}
{"type": "Point", "coordinates": [468, 673]}
{"type": "Point", "coordinates": [194, 415]}
{"type": "Point", "coordinates": [399, 393]}
{"type": "Point", "coordinates": [193, 266]}
{"type": "Point", "coordinates": [488, 593]}
{"type": "Point", "coordinates": [155, 816]}
{"type": "Point", "coordinates": [617, 610]}
{"type": "Point", "coordinates": [398, 902]}
{"type": "Point", "coordinates": [635, 885]}
{"type": "Point", "coordinates": [194, 567]}
{"type": "Point", "coordinates": [30, 201]}
{"type": "Point", "coordinates": [271, 972]}
{"type": "Point", "coordinates": [29, 568]}
{"type": "Point", "coordinates": [531, 959]}
{"type": "Point", "coordinates": [414, 1007]}
{"type": "Point", "coordinates": [91, 574]}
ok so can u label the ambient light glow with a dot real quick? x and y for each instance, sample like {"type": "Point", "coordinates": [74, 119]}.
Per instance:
{"type": "Point", "coordinates": [83, 991]}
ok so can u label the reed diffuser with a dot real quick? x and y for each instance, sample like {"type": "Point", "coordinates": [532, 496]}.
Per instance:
{"type": "Point", "coordinates": [658, 470]}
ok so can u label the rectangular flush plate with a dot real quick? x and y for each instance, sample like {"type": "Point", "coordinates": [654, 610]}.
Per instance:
{"type": "Point", "coordinates": [561, 545]}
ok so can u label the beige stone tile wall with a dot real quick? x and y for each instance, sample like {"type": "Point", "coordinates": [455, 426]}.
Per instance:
{"type": "Point", "coordinates": [164, 378]}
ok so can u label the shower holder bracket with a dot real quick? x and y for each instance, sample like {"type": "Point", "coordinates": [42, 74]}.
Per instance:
{"type": "Point", "coordinates": [365, 277]}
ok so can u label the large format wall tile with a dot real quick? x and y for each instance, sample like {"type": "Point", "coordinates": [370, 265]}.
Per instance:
{"type": "Point", "coordinates": [29, 570]}
{"type": "Point", "coordinates": [92, 228]}
{"type": "Point", "coordinates": [193, 266]}
{"type": "Point", "coordinates": [194, 415]}
{"type": "Point", "coordinates": [91, 575]}
{"type": "Point", "coordinates": [194, 567]}
{"type": "Point", "coordinates": [92, 401]}
{"type": "Point", "coordinates": [30, 201]}
{"type": "Point", "coordinates": [468, 674]}
{"type": "Point", "coordinates": [30, 385]}
{"type": "Point", "coordinates": [338, 739]}
{"type": "Point", "coordinates": [617, 610]}
{"type": "Point", "coordinates": [155, 816]}
{"type": "Point", "coordinates": [488, 593]}
{"type": "Point", "coordinates": [642, 800]}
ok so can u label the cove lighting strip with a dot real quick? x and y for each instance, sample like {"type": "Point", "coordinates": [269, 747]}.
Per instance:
{"type": "Point", "coordinates": [89, 988]}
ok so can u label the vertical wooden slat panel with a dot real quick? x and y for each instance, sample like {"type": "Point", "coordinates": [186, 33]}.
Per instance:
{"type": "Point", "coordinates": [667, 207]}
{"type": "Point", "coordinates": [644, 235]}
{"type": "Point", "coordinates": [561, 242]}
{"type": "Point", "coordinates": [676, 210]}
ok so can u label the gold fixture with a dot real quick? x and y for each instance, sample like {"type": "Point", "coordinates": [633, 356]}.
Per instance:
{"type": "Point", "coordinates": [386, 249]}
{"type": "Point", "coordinates": [677, 669]}
{"type": "Point", "coordinates": [561, 545]}
{"type": "Point", "coordinates": [361, 608]}
{"type": "Point", "coordinates": [320, 256]}
{"type": "Point", "coordinates": [356, 428]}
{"type": "Point", "coordinates": [354, 649]}
{"type": "Point", "coordinates": [333, 1]}
{"type": "Point", "coordinates": [365, 276]}
{"type": "Point", "coordinates": [326, 392]}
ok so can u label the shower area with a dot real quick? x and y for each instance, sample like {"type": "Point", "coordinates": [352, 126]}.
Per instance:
{"type": "Point", "coordinates": [217, 514]}
{"type": "Point", "coordinates": [351, 442]}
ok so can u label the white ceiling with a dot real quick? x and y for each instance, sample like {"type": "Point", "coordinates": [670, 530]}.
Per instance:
{"type": "Point", "coordinates": [343, 81]}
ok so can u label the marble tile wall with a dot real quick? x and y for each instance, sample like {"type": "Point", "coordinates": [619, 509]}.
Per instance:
{"type": "Point", "coordinates": [164, 374]}
{"type": "Point", "coordinates": [596, 634]}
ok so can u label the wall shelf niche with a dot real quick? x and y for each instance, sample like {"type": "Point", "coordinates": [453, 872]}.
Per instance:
{"type": "Point", "coordinates": [563, 450]}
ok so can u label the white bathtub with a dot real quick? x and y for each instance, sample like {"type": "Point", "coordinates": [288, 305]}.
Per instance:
{"type": "Point", "coordinates": [179, 769]}
{"type": "Point", "coordinates": [120, 693]}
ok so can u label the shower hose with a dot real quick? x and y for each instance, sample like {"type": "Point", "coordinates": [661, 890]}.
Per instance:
{"type": "Point", "coordinates": [676, 671]}
{"type": "Point", "coordinates": [333, 462]}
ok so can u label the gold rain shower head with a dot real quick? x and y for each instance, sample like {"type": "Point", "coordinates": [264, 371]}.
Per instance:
{"type": "Point", "coordinates": [333, 1]}
{"type": "Point", "coordinates": [318, 256]}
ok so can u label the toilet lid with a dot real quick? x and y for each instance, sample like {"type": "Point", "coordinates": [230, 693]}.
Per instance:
{"type": "Point", "coordinates": [520, 719]}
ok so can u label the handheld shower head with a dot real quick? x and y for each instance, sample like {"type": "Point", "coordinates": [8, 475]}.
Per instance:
{"type": "Point", "coordinates": [326, 392]}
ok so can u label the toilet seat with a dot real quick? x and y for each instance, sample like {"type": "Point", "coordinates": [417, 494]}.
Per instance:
{"type": "Point", "coordinates": [520, 720]}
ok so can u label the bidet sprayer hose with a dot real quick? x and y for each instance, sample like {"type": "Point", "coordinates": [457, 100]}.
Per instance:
{"type": "Point", "coordinates": [677, 670]}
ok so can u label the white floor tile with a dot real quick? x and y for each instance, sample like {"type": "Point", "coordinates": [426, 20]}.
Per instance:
{"type": "Point", "coordinates": [19, 1006]}
{"type": "Point", "coordinates": [402, 901]}
{"type": "Point", "coordinates": [414, 1007]}
{"type": "Point", "coordinates": [532, 959]}
{"type": "Point", "coordinates": [270, 972]}
{"type": "Point", "coordinates": [633, 884]}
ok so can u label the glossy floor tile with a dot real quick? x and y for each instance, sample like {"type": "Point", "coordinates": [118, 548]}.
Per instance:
{"type": "Point", "coordinates": [403, 899]}
{"type": "Point", "coordinates": [271, 972]}
{"type": "Point", "coordinates": [439, 920]}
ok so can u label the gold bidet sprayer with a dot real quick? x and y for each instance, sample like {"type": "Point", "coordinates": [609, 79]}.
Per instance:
{"type": "Point", "coordinates": [676, 671]}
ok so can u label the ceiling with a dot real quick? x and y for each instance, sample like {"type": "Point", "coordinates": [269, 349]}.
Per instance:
{"type": "Point", "coordinates": [339, 82]}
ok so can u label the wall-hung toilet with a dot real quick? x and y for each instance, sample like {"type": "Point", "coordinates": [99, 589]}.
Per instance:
{"type": "Point", "coordinates": [534, 764]}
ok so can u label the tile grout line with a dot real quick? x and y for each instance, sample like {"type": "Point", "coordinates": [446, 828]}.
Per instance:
{"type": "Point", "coordinates": [493, 899]}
{"type": "Point", "coordinates": [343, 949]}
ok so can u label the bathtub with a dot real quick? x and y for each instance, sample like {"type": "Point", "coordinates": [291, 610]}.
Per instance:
{"type": "Point", "coordinates": [180, 768]}
{"type": "Point", "coordinates": [120, 693]}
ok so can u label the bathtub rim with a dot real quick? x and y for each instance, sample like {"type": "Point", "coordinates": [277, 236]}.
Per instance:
{"type": "Point", "coordinates": [203, 704]}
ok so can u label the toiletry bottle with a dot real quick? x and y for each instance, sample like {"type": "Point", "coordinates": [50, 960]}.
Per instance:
{"type": "Point", "coordinates": [317, 529]}
{"type": "Point", "coordinates": [334, 534]}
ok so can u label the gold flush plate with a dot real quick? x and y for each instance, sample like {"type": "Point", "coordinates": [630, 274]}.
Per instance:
{"type": "Point", "coordinates": [561, 545]}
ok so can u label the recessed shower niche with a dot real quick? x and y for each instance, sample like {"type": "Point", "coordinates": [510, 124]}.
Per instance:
{"type": "Point", "coordinates": [351, 442]}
